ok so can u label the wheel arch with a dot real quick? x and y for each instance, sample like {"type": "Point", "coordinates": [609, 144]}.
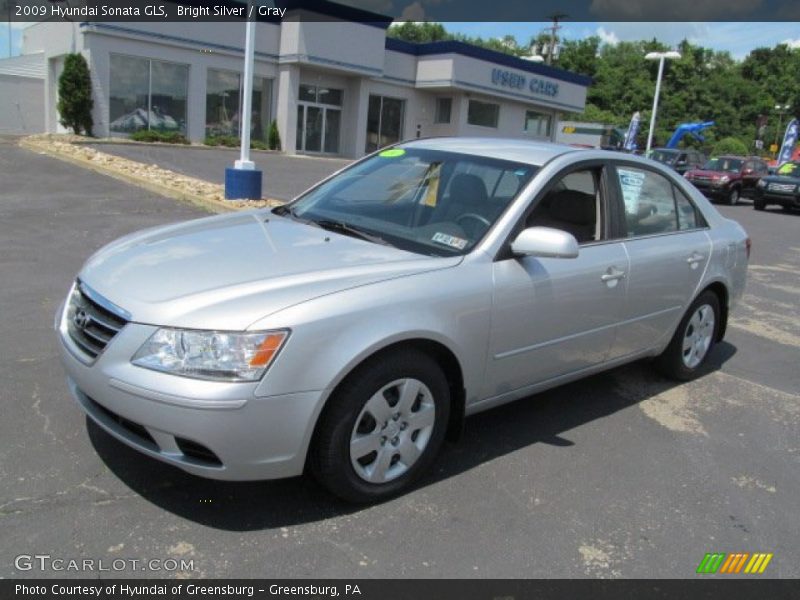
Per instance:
{"type": "Point", "coordinates": [722, 293]}
{"type": "Point", "coordinates": [439, 352]}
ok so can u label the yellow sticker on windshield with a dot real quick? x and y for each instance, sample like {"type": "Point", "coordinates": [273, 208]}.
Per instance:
{"type": "Point", "coordinates": [392, 153]}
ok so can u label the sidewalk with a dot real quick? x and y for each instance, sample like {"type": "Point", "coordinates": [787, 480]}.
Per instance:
{"type": "Point", "coordinates": [284, 176]}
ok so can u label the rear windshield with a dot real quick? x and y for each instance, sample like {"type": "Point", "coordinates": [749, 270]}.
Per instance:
{"type": "Point", "coordinates": [730, 165]}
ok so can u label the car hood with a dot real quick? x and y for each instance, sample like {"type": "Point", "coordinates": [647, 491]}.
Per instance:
{"type": "Point", "coordinates": [704, 173]}
{"type": "Point", "coordinates": [781, 179]}
{"type": "Point", "coordinates": [229, 271]}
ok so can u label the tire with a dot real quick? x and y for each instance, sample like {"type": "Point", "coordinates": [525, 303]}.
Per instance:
{"type": "Point", "coordinates": [676, 362]}
{"type": "Point", "coordinates": [733, 197]}
{"type": "Point", "coordinates": [370, 445]}
{"type": "Point", "coordinates": [759, 204]}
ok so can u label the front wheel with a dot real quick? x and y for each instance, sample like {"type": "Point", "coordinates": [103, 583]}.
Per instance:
{"type": "Point", "coordinates": [693, 340]}
{"type": "Point", "coordinates": [383, 427]}
{"type": "Point", "coordinates": [759, 204]}
{"type": "Point", "coordinates": [733, 197]}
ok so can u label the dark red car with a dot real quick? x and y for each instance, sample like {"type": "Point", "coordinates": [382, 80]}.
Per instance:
{"type": "Point", "coordinates": [728, 178]}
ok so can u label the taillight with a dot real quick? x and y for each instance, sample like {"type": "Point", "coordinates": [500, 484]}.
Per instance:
{"type": "Point", "coordinates": [748, 243]}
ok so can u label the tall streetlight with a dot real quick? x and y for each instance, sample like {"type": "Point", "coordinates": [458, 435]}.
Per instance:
{"type": "Point", "coordinates": [660, 57]}
{"type": "Point", "coordinates": [781, 109]}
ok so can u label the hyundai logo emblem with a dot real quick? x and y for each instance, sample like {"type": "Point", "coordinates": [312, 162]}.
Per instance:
{"type": "Point", "coordinates": [81, 319]}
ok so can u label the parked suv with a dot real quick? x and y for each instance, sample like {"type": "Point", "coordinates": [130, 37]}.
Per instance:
{"type": "Point", "coordinates": [728, 177]}
{"type": "Point", "coordinates": [679, 160]}
{"type": "Point", "coordinates": [782, 188]}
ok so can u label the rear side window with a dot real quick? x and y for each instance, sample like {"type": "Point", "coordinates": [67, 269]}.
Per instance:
{"type": "Point", "coordinates": [687, 213]}
{"type": "Point", "coordinates": [653, 205]}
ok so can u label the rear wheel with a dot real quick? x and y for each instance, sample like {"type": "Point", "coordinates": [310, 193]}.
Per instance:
{"type": "Point", "coordinates": [383, 427]}
{"type": "Point", "coordinates": [733, 196]}
{"type": "Point", "coordinates": [693, 340]}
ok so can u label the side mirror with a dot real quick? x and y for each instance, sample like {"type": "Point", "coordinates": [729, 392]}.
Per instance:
{"type": "Point", "coordinates": [747, 172]}
{"type": "Point", "coordinates": [545, 242]}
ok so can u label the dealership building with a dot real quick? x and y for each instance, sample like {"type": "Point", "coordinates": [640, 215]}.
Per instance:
{"type": "Point", "coordinates": [327, 74]}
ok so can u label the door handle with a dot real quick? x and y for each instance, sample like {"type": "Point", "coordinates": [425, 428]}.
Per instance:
{"type": "Point", "coordinates": [696, 257]}
{"type": "Point", "coordinates": [612, 274]}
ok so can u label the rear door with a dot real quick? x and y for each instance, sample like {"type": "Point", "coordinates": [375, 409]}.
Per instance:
{"type": "Point", "coordinates": [668, 250]}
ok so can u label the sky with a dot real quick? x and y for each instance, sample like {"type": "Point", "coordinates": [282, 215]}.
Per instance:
{"type": "Point", "coordinates": [737, 38]}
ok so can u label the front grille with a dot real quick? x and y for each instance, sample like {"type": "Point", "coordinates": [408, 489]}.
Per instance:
{"type": "Point", "coordinates": [91, 322]}
{"type": "Point", "coordinates": [781, 187]}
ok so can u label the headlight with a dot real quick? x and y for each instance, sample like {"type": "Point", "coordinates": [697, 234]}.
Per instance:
{"type": "Point", "coordinates": [217, 355]}
{"type": "Point", "coordinates": [724, 179]}
{"type": "Point", "coordinates": [761, 183]}
{"type": "Point", "coordinates": [688, 175]}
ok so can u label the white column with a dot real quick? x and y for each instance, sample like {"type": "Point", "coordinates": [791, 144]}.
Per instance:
{"type": "Point", "coordinates": [288, 83]}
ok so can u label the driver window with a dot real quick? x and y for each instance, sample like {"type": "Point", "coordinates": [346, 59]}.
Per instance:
{"type": "Point", "coordinates": [572, 205]}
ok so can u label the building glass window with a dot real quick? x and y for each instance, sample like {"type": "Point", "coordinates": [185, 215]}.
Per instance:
{"type": "Point", "coordinates": [537, 123]}
{"type": "Point", "coordinates": [444, 106]}
{"type": "Point", "coordinates": [484, 114]}
{"type": "Point", "coordinates": [319, 94]}
{"type": "Point", "coordinates": [223, 104]}
{"type": "Point", "coordinates": [147, 94]}
{"type": "Point", "coordinates": [384, 122]}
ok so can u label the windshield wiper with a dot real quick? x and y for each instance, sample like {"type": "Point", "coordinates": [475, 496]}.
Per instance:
{"type": "Point", "coordinates": [352, 231]}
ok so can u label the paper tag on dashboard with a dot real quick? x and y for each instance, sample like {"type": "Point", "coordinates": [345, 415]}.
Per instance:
{"type": "Point", "coordinates": [450, 240]}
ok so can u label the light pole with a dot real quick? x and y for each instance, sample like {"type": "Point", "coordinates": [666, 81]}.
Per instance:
{"type": "Point", "coordinates": [243, 181]}
{"type": "Point", "coordinates": [660, 57]}
{"type": "Point", "coordinates": [781, 109]}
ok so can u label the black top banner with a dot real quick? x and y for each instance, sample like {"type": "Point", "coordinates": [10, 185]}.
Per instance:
{"type": "Point", "coordinates": [397, 589]}
{"type": "Point", "coordinates": [383, 12]}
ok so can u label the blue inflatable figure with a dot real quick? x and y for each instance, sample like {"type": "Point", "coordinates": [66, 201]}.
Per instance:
{"type": "Point", "coordinates": [692, 129]}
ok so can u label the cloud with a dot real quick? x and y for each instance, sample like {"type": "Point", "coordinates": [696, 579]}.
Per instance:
{"type": "Point", "coordinates": [792, 43]}
{"type": "Point", "coordinates": [412, 12]}
{"type": "Point", "coordinates": [645, 10]}
{"type": "Point", "coordinates": [608, 37]}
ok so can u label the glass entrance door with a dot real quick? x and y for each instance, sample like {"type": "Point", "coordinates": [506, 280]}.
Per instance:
{"type": "Point", "coordinates": [318, 128]}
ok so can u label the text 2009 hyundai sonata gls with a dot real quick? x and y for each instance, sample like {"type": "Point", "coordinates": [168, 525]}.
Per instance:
{"type": "Point", "coordinates": [348, 331]}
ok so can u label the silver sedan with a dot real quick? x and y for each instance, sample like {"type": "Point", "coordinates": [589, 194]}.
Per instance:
{"type": "Point", "coordinates": [350, 331]}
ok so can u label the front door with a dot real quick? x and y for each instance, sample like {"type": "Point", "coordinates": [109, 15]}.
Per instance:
{"type": "Point", "coordinates": [554, 316]}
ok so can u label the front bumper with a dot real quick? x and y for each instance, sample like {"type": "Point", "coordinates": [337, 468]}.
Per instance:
{"type": "Point", "coordinates": [712, 191]}
{"type": "Point", "coordinates": [212, 429]}
{"type": "Point", "coordinates": [789, 200]}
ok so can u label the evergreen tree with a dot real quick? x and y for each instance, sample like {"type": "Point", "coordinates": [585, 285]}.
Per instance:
{"type": "Point", "coordinates": [75, 95]}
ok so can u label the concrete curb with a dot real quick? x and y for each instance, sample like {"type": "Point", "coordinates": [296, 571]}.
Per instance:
{"type": "Point", "coordinates": [200, 200]}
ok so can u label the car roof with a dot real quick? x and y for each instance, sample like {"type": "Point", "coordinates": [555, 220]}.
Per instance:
{"type": "Point", "coordinates": [523, 151]}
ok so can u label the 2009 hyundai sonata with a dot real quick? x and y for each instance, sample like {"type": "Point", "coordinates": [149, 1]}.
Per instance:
{"type": "Point", "coordinates": [349, 331]}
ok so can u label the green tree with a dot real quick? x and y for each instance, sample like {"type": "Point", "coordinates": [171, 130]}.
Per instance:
{"type": "Point", "coordinates": [419, 32]}
{"type": "Point", "coordinates": [75, 95]}
{"type": "Point", "coordinates": [730, 145]}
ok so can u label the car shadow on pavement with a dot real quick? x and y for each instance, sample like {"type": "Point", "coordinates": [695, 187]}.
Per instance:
{"type": "Point", "coordinates": [249, 506]}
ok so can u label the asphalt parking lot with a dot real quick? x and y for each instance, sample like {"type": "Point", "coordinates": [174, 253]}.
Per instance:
{"type": "Point", "coordinates": [620, 475]}
{"type": "Point", "coordinates": [284, 176]}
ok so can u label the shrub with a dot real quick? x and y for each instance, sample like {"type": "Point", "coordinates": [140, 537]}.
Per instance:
{"type": "Point", "coordinates": [153, 135]}
{"type": "Point", "coordinates": [231, 141]}
{"type": "Point", "coordinates": [274, 137]}
{"type": "Point", "coordinates": [729, 145]}
{"type": "Point", "coordinates": [75, 95]}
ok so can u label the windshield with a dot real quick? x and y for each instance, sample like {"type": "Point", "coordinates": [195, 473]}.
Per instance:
{"type": "Point", "coordinates": [730, 165]}
{"type": "Point", "coordinates": [664, 156]}
{"type": "Point", "coordinates": [425, 201]}
{"type": "Point", "coordinates": [790, 169]}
